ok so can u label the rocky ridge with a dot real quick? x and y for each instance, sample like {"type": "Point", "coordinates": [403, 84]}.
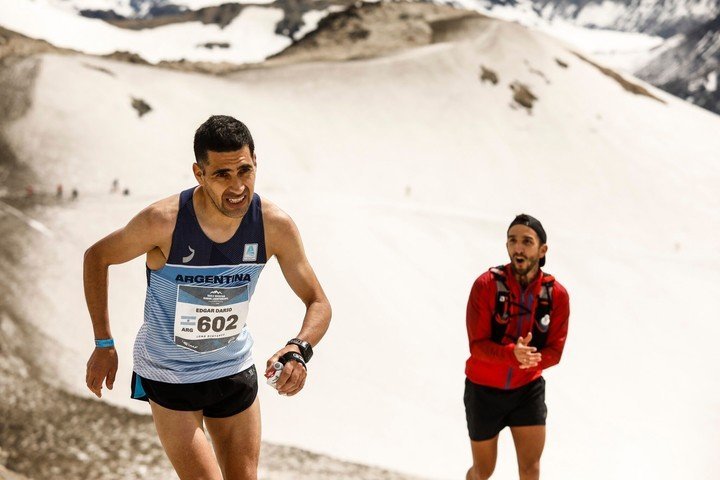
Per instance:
{"type": "Point", "coordinates": [665, 18]}
{"type": "Point", "coordinates": [370, 30]}
{"type": "Point", "coordinates": [689, 69]}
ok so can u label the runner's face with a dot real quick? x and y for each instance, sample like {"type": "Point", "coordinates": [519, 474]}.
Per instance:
{"type": "Point", "coordinates": [524, 249]}
{"type": "Point", "coordinates": [228, 178]}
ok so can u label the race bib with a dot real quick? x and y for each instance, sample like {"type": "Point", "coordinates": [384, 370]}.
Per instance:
{"type": "Point", "coordinates": [209, 318]}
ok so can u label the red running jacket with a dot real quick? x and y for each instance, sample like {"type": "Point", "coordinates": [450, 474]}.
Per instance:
{"type": "Point", "coordinates": [494, 365]}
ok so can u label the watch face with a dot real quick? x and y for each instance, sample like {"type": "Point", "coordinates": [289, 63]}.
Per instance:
{"type": "Point", "coordinates": [304, 347]}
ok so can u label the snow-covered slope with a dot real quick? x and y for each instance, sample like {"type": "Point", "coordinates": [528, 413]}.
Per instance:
{"type": "Point", "coordinates": [669, 43]}
{"type": "Point", "coordinates": [250, 37]}
{"type": "Point", "coordinates": [402, 173]}
{"type": "Point", "coordinates": [626, 50]}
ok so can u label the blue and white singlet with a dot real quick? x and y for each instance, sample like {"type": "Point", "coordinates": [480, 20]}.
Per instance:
{"type": "Point", "coordinates": [197, 304]}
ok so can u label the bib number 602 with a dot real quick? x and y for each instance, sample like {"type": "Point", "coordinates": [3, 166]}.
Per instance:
{"type": "Point", "coordinates": [218, 324]}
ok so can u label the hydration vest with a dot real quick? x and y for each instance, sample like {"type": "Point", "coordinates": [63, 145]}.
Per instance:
{"type": "Point", "coordinates": [543, 307]}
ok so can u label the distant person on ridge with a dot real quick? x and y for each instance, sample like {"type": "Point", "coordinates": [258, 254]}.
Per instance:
{"type": "Point", "coordinates": [205, 249]}
{"type": "Point", "coordinates": [517, 323]}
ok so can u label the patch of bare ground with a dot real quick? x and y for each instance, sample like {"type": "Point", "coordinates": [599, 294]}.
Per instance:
{"type": "Point", "coordinates": [537, 72]}
{"type": "Point", "coordinates": [373, 30]}
{"type": "Point", "coordinates": [209, 68]}
{"type": "Point", "coordinates": [631, 87]}
{"type": "Point", "coordinates": [458, 27]}
{"type": "Point", "coordinates": [99, 69]}
{"type": "Point", "coordinates": [13, 44]}
{"type": "Point", "coordinates": [127, 57]}
{"type": "Point", "coordinates": [487, 75]}
{"type": "Point", "coordinates": [214, 45]}
{"type": "Point", "coordinates": [140, 106]}
{"type": "Point", "coordinates": [522, 95]}
{"type": "Point", "coordinates": [221, 15]}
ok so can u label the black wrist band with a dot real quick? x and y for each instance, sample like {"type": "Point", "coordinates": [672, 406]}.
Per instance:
{"type": "Point", "coordinates": [305, 348]}
{"type": "Point", "coordinates": [288, 356]}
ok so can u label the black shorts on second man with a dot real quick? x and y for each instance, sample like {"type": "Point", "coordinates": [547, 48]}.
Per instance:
{"type": "Point", "coordinates": [220, 398]}
{"type": "Point", "coordinates": [488, 410]}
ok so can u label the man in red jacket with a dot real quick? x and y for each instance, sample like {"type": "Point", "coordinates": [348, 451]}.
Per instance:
{"type": "Point", "coordinates": [517, 321]}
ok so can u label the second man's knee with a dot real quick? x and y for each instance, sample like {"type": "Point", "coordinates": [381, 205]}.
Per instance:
{"type": "Point", "coordinates": [530, 470]}
{"type": "Point", "coordinates": [247, 471]}
{"type": "Point", "coordinates": [479, 473]}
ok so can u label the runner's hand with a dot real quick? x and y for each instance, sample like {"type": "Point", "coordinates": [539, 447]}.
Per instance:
{"type": "Point", "coordinates": [527, 356]}
{"type": "Point", "coordinates": [102, 366]}
{"type": "Point", "coordinates": [292, 378]}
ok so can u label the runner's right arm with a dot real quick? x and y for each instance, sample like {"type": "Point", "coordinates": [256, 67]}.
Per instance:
{"type": "Point", "coordinates": [147, 231]}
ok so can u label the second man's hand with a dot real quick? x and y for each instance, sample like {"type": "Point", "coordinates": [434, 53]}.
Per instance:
{"type": "Point", "coordinates": [292, 378]}
{"type": "Point", "coordinates": [527, 356]}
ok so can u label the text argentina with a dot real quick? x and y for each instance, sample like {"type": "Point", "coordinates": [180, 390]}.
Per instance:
{"type": "Point", "coordinates": [238, 277]}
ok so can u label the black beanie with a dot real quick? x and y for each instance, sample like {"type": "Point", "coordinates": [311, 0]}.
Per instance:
{"type": "Point", "coordinates": [534, 223]}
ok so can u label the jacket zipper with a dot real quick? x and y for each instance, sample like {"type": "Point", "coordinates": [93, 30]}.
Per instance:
{"type": "Point", "coordinates": [521, 322]}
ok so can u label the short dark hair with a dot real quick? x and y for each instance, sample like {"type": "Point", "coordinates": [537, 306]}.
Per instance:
{"type": "Point", "coordinates": [534, 223]}
{"type": "Point", "coordinates": [221, 133]}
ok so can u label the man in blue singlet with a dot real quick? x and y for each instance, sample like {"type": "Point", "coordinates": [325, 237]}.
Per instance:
{"type": "Point", "coordinates": [205, 249]}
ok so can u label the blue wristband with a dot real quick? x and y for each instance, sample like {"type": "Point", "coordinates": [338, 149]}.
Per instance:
{"type": "Point", "coordinates": [105, 343]}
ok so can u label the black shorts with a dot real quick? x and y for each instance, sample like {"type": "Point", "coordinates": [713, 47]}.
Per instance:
{"type": "Point", "coordinates": [220, 398]}
{"type": "Point", "coordinates": [488, 410]}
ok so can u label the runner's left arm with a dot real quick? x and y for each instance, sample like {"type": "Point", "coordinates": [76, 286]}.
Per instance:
{"type": "Point", "coordinates": [559, 319]}
{"type": "Point", "coordinates": [287, 246]}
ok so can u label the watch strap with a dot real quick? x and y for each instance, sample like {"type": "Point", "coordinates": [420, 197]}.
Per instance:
{"type": "Point", "coordinates": [305, 348]}
{"type": "Point", "coordinates": [290, 356]}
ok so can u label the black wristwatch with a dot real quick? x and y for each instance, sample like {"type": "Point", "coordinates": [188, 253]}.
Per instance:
{"type": "Point", "coordinates": [305, 348]}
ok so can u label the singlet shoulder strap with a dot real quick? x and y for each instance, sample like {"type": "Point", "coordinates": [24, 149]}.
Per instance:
{"type": "Point", "coordinates": [186, 196]}
{"type": "Point", "coordinates": [186, 229]}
